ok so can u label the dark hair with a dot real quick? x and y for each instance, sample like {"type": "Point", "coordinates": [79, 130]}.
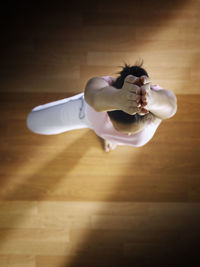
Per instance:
{"type": "Point", "coordinates": [119, 115]}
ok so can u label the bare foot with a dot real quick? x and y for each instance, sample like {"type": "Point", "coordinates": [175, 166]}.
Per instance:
{"type": "Point", "coordinates": [108, 146]}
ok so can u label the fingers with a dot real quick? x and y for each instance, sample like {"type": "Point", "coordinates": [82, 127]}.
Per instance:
{"type": "Point", "coordinates": [132, 96]}
{"type": "Point", "coordinates": [141, 96]}
{"type": "Point", "coordinates": [136, 108]}
{"type": "Point", "coordinates": [132, 110]}
{"type": "Point", "coordinates": [146, 86]}
{"type": "Point", "coordinates": [131, 78]}
{"type": "Point", "coordinates": [144, 79]}
{"type": "Point", "coordinates": [143, 113]}
{"type": "Point", "coordinates": [143, 92]}
{"type": "Point", "coordinates": [138, 93]}
{"type": "Point", "coordinates": [144, 100]}
{"type": "Point", "coordinates": [131, 83]}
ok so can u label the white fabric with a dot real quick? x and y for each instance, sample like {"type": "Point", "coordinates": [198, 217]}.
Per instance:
{"type": "Point", "coordinates": [59, 116]}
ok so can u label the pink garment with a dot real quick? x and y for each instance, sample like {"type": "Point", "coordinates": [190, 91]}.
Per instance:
{"type": "Point", "coordinates": [104, 128]}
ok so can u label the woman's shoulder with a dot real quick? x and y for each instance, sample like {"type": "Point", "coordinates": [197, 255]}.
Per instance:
{"type": "Point", "coordinates": [109, 79]}
{"type": "Point", "coordinates": [156, 87]}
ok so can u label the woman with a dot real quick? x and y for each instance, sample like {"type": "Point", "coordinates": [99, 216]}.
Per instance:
{"type": "Point", "coordinates": [124, 110]}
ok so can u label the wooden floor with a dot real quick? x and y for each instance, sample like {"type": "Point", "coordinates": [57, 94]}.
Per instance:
{"type": "Point", "coordinates": [64, 201]}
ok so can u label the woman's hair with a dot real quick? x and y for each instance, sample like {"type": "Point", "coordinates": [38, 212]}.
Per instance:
{"type": "Point", "coordinates": [119, 115]}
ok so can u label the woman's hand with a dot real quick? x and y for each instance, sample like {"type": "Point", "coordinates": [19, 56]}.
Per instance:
{"type": "Point", "coordinates": [135, 95]}
{"type": "Point", "coordinates": [146, 98]}
{"type": "Point", "coordinates": [128, 95]}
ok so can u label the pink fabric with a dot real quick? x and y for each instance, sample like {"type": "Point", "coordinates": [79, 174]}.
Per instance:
{"type": "Point", "coordinates": [104, 128]}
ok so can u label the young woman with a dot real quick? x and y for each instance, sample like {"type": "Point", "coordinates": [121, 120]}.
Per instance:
{"type": "Point", "coordinates": [123, 110]}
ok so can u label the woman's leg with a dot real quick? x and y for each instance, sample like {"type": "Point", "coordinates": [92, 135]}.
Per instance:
{"type": "Point", "coordinates": [59, 116]}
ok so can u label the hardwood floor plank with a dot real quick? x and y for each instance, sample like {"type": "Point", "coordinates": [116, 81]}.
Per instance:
{"type": "Point", "coordinates": [17, 261]}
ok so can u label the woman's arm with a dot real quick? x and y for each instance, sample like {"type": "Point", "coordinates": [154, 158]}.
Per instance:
{"type": "Point", "coordinates": [164, 104]}
{"type": "Point", "coordinates": [100, 96]}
